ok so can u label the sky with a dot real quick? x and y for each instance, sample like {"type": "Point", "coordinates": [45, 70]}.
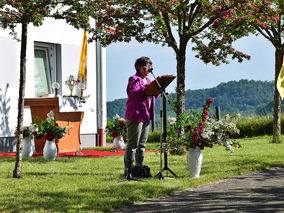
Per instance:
{"type": "Point", "coordinates": [120, 58]}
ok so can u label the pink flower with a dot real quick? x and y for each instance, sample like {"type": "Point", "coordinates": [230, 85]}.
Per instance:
{"type": "Point", "coordinates": [216, 23]}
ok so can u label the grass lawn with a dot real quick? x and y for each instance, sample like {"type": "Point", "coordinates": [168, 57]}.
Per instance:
{"type": "Point", "coordinates": [88, 184]}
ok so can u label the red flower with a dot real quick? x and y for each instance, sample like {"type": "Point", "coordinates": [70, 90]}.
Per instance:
{"type": "Point", "coordinates": [204, 116]}
{"type": "Point", "coordinates": [189, 128]}
{"type": "Point", "coordinates": [50, 136]}
{"type": "Point", "coordinates": [205, 113]}
{"type": "Point", "coordinates": [205, 107]}
{"type": "Point", "coordinates": [195, 138]}
{"type": "Point", "coordinates": [121, 123]}
{"type": "Point", "coordinates": [114, 134]}
{"type": "Point", "coordinates": [209, 102]}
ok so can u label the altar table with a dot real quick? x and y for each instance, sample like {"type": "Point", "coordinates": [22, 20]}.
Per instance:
{"type": "Point", "coordinates": [71, 120]}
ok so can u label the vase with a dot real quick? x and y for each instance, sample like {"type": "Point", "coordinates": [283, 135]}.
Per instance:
{"type": "Point", "coordinates": [50, 150]}
{"type": "Point", "coordinates": [194, 159]}
{"type": "Point", "coordinates": [28, 147]}
{"type": "Point", "coordinates": [118, 143]}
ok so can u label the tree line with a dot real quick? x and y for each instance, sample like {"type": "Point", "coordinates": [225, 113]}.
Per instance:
{"type": "Point", "coordinates": [247, 97]}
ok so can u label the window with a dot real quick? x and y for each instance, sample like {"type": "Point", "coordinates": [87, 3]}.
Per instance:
{"type": "Point", "coordinates": [47, 67]}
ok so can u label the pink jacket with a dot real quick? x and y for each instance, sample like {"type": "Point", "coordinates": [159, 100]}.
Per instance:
{"type": "Point", "coordinates": [139, 106]}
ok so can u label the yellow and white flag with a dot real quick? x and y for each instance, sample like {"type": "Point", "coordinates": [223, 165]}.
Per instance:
{"type": "Point", "coordinates": [280, 82]}
{"type": "Point", "coordinates": [82, 74]}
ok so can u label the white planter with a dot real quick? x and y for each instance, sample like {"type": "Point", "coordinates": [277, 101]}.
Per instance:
{"type": "Point", "coordinates": [194, 159]}
{"type": "Point", "coordinates": [28, 147]}
{"type": "Point", "coordinates": [118, 143]}
{"type": "Point", "coordinates": [50, 150]}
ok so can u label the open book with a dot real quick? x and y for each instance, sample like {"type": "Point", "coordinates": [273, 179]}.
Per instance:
{"type": "Point", "coordinates": [164, 81]}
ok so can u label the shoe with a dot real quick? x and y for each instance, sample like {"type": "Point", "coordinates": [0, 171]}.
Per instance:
{"type": "Point", "coordinates": [126, 175]}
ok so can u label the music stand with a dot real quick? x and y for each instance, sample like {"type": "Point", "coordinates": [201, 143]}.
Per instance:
{"type": "Point", "coordinates": [156, 87]}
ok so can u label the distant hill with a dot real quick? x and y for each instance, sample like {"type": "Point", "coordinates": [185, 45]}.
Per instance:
{"type": "Point", "coordinates": [247, 97]}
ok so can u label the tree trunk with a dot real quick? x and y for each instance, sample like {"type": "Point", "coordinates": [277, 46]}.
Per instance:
{"type": "Point", "coordinates": [17, 169]}
{"type": "Point", "coordinates": [180, 104]}
{"type": "Point", "coordinates": [277, 101]}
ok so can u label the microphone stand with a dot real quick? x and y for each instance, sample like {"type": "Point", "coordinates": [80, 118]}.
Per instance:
{"type": "Point", "coordinates": [163, 115]}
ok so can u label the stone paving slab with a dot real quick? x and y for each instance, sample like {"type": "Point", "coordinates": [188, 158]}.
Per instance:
{"type": "Point", "coordinates": [261, 191]}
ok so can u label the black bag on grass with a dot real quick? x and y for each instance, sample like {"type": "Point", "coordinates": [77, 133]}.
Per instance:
{"type": "Point", "coordinates": [141, 171]}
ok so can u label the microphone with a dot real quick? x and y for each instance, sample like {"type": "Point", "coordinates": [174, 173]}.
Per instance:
{"type": "Point", "coordinates": [150, 70]}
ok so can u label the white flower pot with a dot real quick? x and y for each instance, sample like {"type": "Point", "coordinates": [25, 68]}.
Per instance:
{"type": "Point", "coordinates": [118, 143]}
{"type": "Point", "coordinates": [50, 150]}
{"type": "Point", "coordinates": [194, 159]}
{"type": "Point", "coordinates": [28, 147]}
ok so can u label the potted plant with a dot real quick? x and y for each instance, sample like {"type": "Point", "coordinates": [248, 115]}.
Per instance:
{"type": "Point", "coordinates": [117, 130]}
{"type": "Point", "coordinates": [199, 132]}
{"type": "Point", "coordinates": [49, 129]}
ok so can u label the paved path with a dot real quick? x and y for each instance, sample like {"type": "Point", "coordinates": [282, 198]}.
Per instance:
{"type": "Point", "coordinates": [252, 192]}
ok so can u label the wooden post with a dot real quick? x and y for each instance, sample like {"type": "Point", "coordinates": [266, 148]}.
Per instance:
{"type": "Point", "coordinates": [218, 113]}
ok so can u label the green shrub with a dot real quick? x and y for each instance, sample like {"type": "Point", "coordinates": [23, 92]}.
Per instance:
{"type": "Point", "coordinates": [153, 137]}
{"type": "Point", "coordinates": [248, 126]}
{"type": "Point", "coordinates": [257, 126]}
{"type": "Point", "coordinates": [109, 139]}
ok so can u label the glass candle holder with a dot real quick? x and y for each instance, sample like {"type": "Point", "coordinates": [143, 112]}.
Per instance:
{"type": "Point", "coordinates": [81, 87]}
{"type": "Point", "coordinates": [55, 86]}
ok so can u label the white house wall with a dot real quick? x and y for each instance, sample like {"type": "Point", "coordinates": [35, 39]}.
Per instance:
{"type": "Point", "coordinates": [8, 84]}
{"type": "Point", "coordinates": [51, 31]}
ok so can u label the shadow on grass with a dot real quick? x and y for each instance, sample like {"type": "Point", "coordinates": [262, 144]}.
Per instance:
{"type": "Point", "coordinates": [83, 199]}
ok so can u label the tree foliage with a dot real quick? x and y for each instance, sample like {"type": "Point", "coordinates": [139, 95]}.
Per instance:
{"type": "Point", "coordinates": [263, 18]}
{"type": "Point", "coordinates": [210, 26]}
{"type": "Point", "coordinates": [174, 23]}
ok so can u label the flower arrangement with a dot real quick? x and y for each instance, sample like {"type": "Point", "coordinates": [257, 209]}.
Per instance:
{"type": "Point", "coordinates": [48, 128]}
{"type": "Point", "coordinates": [221, 132]}
{"type": "Point", "coordinates": [200, 131]}
{"type": "Point", "coordinates": [26, 132]}
{"type": "Point", "coordinates": [117, 127]}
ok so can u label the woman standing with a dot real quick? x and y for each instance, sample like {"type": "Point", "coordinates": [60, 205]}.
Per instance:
{"type": "Point", "coordinates": [140, 109]}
